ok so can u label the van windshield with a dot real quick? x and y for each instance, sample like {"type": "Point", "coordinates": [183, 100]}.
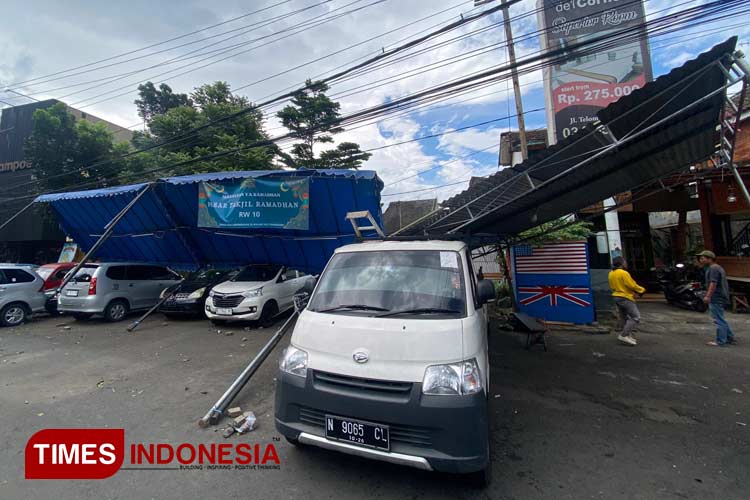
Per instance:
{"type": "Point", "coordinates": [420, 281]}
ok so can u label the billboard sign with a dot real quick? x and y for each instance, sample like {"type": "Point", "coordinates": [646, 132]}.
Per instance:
{"type": "Point", "coordinates": [281, 203]}
{"type": "Point", "coordinates": [579, 86]}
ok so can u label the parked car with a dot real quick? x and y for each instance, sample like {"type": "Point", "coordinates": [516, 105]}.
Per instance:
{"type": "Point", "coordinates": [21, 294]}
{"type": "Point", "coordinates": [389, 360]}
{"type": "Point", "coordinates": [53, 274]}
{"type": "Point", "coordinates": [189, 297]}
{"type": "Point", "coordinates": [114, 289]}
{"type": "Point", "coordinates": [257, 292]}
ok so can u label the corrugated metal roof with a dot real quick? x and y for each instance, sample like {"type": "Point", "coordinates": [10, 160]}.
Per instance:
{"type": "Point", "coordinates": [553, 184]}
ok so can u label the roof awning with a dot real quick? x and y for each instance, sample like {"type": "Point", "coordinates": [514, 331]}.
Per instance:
{"type": "Point", "coordinates": [162, 227]}
{"type": "Point", "coordinates": [667, 125]}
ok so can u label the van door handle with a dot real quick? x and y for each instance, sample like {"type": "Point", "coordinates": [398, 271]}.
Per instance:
{"type": "Point", "coordinates": [2, 288]}
{"type": "Point", "coordinates": [131, 284]}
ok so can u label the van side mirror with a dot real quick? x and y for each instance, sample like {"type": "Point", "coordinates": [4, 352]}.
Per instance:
{"type": "Point", "coordinates": [486, 291]}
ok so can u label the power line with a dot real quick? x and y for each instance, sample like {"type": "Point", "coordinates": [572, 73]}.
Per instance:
{"type": "Point", "coordinates": [243, 30]}
{"type": "Point", "coordinates": [195, 130]}
{"type": "Point", "coordinates": [590, 45]}
{"type": "Point", "coordinates": [149, 46]}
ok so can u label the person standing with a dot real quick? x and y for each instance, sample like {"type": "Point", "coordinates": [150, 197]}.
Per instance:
{"type": "Point", "coordinates": [717, 297]}
{"type": "Point", "coordinates": [624, 290]}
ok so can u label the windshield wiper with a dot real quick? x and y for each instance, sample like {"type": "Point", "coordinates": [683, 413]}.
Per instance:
{"type": "Point", "coordinates": [421, 310]}
{"type": "Point", "coordinates": [359, 307]}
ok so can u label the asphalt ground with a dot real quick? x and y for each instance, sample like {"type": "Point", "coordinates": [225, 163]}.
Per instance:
{"type": "Point", "coordinates": [590, 418]}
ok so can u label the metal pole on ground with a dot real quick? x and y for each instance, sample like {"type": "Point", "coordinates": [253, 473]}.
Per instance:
{"type": "Point", "coordinates": [148, 313]}
{"type": "Point", "coordinates": [109, 229]}
{"type": "Point", "coordinates": [217, 411]}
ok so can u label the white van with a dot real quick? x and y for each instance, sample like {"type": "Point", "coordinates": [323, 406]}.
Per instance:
{"type": "Point", "coordinates": [389, 360]}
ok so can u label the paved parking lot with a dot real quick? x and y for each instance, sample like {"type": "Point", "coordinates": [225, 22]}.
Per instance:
{"type": "Point", "coordinates": [588, 419]}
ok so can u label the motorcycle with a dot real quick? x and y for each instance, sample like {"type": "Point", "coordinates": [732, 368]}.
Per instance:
{"type": "Point", "coordinates": [680, 290]}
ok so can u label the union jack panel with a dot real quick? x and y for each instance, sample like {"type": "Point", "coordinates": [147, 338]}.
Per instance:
{"type": "Point", "coordinates": [552, 281]}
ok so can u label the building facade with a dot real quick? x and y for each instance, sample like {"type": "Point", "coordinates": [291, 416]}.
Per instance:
{"type": "Point", "coordinates": [34, 236]}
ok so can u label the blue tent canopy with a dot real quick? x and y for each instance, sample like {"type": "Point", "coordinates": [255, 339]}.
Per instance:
{"type": "Point", "coordinates": [162, 227]}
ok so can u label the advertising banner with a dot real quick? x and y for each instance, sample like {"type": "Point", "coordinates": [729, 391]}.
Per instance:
{"type": "Point", "coordinates": [578, 87]}
{"type": "Point", "coordinates": [281, 203]}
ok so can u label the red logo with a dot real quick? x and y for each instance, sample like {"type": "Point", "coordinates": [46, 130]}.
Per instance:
{"type": "Point", "coordinates": [74, 453]}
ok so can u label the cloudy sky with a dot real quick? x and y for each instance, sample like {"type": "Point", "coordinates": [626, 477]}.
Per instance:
{"type": "Point", "coordinates": [269, 51]}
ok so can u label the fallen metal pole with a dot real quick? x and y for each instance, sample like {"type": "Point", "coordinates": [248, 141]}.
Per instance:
{"type": "Point", "coordinates": [109, 229]}
{"type": "Point", "coordinates": [148, 313]}
{"type": "Point", "coordinates": [218, 409]}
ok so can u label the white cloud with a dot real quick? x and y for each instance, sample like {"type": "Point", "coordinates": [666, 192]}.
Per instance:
{"type": "Point", "coordinates": [466, 141]}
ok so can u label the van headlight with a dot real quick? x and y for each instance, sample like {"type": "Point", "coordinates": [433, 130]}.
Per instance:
{"type": "Point", "coordinates": [253, 293]}
{"type": "Point", "coordinates": [294, 362]}
{"type": "Point", "coordinates": [197, 294]}
{"type": "Point", "coordinates": [454, 378]}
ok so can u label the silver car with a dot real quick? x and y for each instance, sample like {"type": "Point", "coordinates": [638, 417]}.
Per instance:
{"type": "Point", "coordinates": [114, 289]}
{"type": "Point", "coordinates": [21, 294]}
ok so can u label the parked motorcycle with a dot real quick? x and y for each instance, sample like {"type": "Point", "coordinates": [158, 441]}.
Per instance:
{"type": "Point", "coordinates": [680, 289]}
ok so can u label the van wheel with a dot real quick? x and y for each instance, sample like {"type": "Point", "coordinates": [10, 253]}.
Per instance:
{"type": "Point", "coordinates": [13, 314]}
{"type": "Point", "coordinates": [267, 316]}
{"type": "Point", "coordinates": [81, 316]}
{"type": "Point", "coordinates": [116, 310]}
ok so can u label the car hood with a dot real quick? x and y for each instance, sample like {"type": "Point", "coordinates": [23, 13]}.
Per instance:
{"type": "Point", "coordinates": [397, 348]}
{"type": "Point", "coordinates": [238, 286]}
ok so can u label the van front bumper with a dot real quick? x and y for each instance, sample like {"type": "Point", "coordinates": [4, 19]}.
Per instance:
{"type": "Point", "coordinates": [442, 433]}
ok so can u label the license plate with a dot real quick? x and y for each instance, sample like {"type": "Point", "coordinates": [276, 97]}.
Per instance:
{"type": "Point", "coordinates": [224, 311]}
{"type": "Point", "coordinates": [358, 432]}
{"type": "Point", "coordinates": [71, 293]}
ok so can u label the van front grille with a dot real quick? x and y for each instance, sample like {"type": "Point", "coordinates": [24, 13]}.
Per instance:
{"type": "Point", "coordinates": [406, 434]}
{"type": "Point", "coordinates": [227, 300]}
{"type": "Point", "coordinates": [367, 385]}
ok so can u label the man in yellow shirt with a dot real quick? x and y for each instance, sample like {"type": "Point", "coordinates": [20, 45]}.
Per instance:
{"type": "Point", "coordinates": [624, 290]}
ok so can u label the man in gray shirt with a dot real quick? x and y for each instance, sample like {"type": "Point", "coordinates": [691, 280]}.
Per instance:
{"type": "Point", "coordinates": [717, 297]}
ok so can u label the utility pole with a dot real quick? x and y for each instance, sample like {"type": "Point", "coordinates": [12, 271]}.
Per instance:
{"type": "Point", "coordinates": [516, 86]}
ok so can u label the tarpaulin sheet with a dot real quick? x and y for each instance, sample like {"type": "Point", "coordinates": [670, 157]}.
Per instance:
{"type": "Point", "coordinates": [162, 226]}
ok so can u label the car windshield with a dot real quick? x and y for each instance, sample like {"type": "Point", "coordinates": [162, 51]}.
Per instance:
{"type": "Point", "coordinates": [422, 283]}
{"type": "Point", "coordinates": [44, 272]}
{"type": "Point", "coordinates": [209, 274]}
{"type": "Point", "coordinates": [257, 273]}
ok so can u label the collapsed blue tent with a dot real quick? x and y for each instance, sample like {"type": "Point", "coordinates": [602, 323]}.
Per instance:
{"type": "Point", "coordinates": [168, 224]}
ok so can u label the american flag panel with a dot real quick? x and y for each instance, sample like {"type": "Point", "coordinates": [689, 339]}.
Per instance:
{"type": "Point", "coordinates": [552, 281]}
{"type": "Point", "coordinates": [553, 258]}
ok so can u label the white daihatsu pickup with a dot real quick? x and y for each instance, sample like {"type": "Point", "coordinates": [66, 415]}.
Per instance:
{"type": "Point", "coordinates": [389, 359]}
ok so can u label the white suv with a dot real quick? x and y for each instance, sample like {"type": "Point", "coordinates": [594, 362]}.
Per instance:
{"type": "Point", "coordinates": [21, 294]}
{"type": "Point", "coordinates": [258, 292]}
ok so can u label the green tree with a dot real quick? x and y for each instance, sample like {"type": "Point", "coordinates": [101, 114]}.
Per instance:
{"type": "Point", "coordinates": [66, 152]}
{"type": "Point", "coordinates": [153, 102]}
{"type": "Point", "coordinates": [557, 230]}
{"type": "Point", "coordinates": [314, 118]}
{"type": "Point", "coordinates": [207, 103]}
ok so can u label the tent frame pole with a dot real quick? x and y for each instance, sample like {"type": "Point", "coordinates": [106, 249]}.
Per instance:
{"type": "Point", "coordinates": [17, 214]}
{"type": "Point", "coordinates": [109, 229]}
